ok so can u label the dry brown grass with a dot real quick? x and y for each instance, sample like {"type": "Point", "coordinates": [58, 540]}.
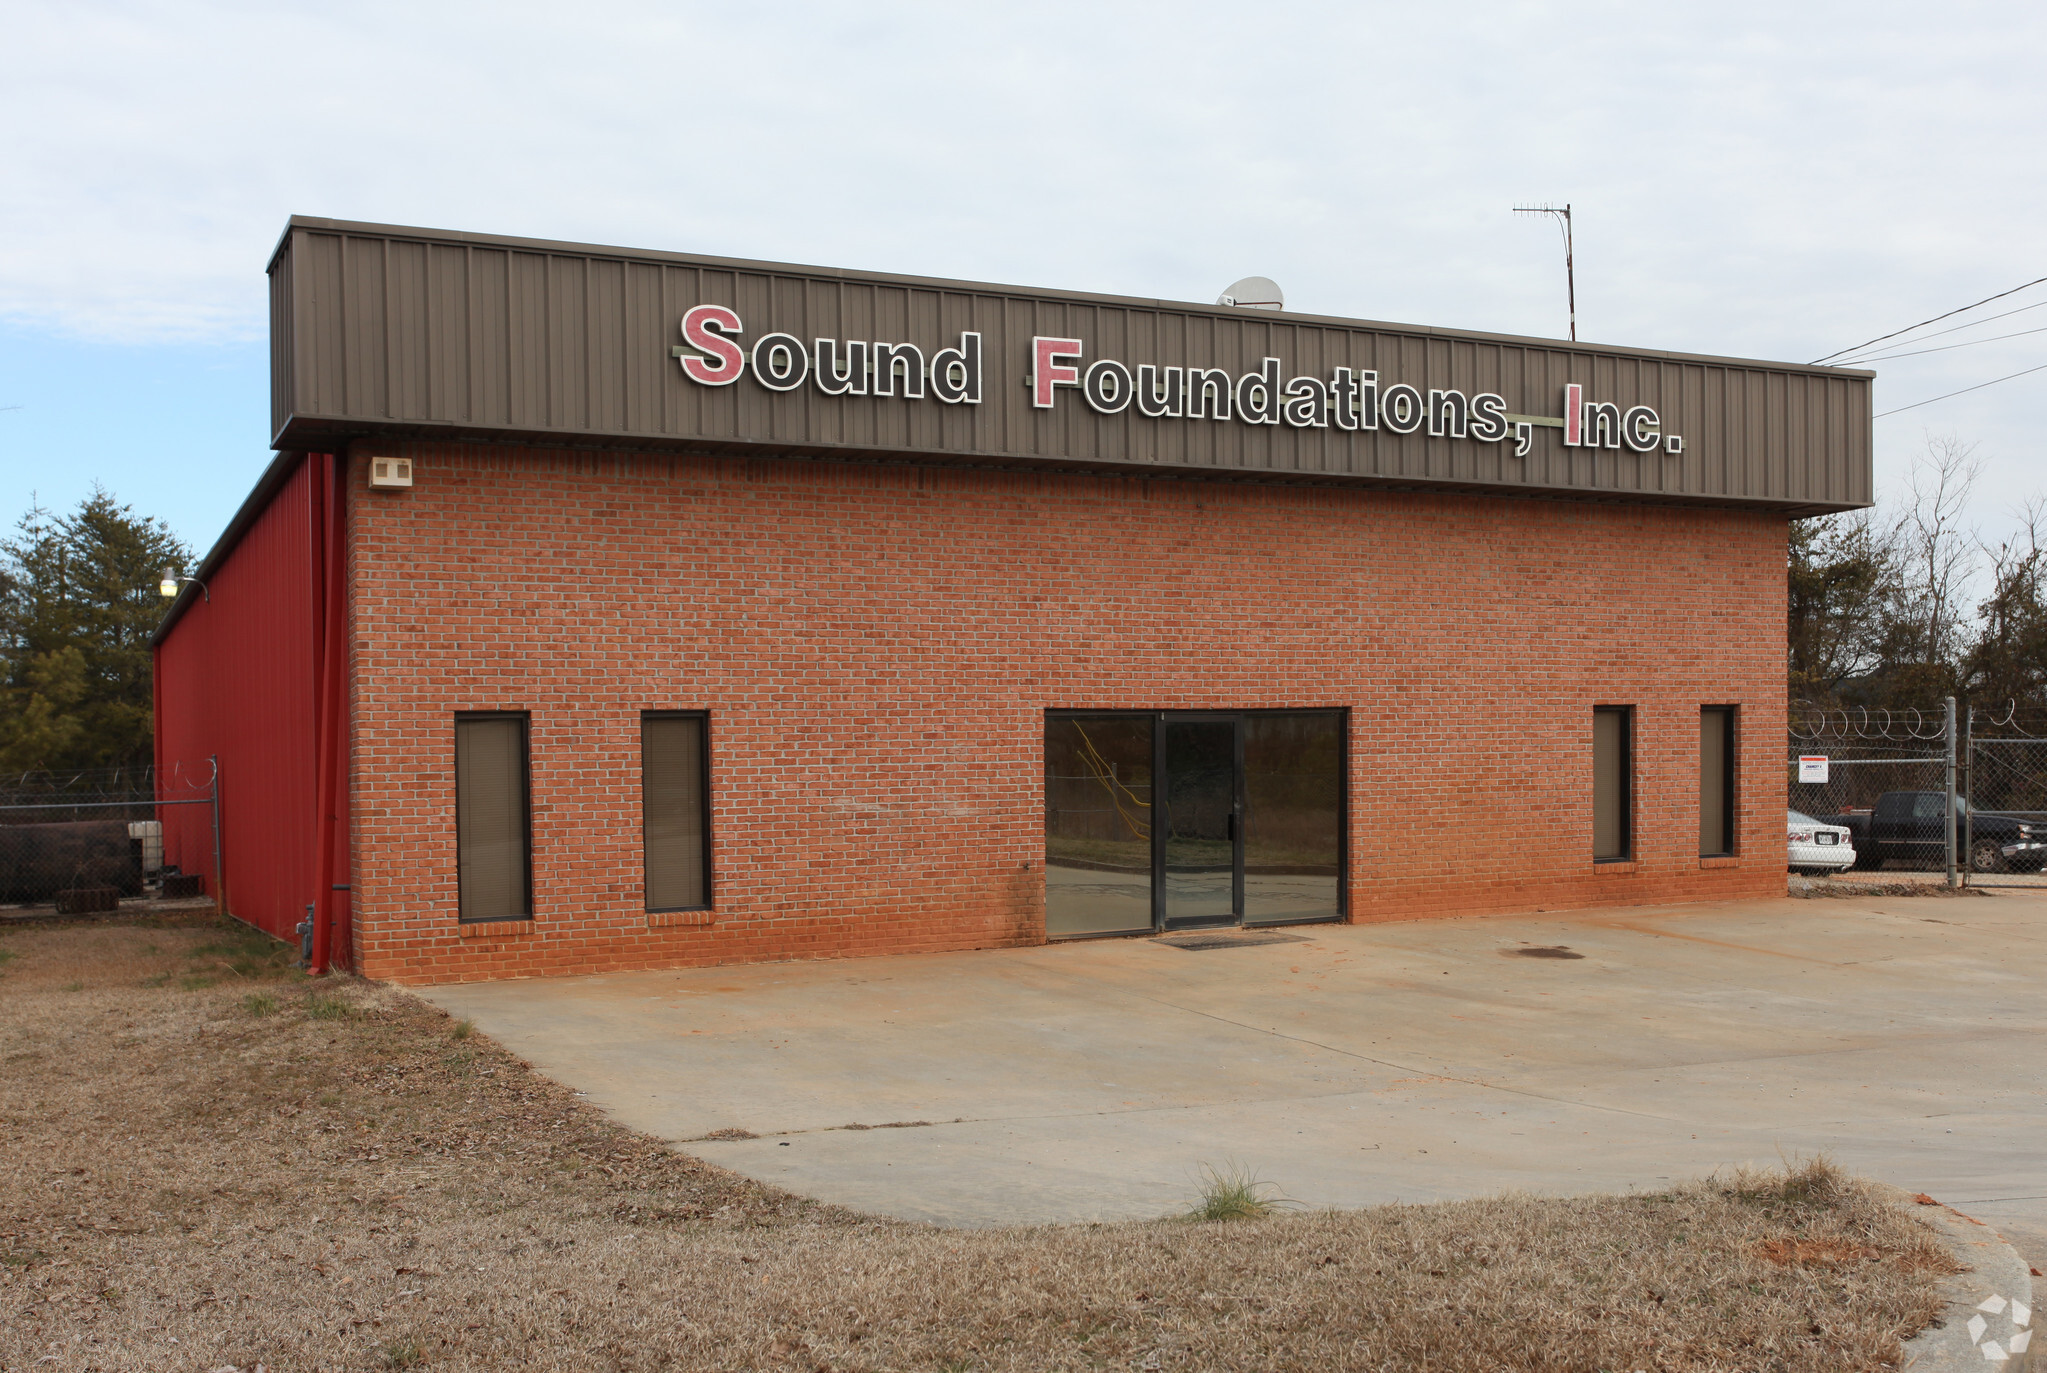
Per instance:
{"type": "Point", "coordinates": [1855, 884]}
{"type": "Point", "coordinates": [211, 1163]}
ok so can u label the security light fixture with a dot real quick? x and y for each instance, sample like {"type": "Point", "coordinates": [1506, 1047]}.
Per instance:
{"type": "Point", "coordinates": [171, 582]}
{"type": "Point", "coordinates": [390, 474]}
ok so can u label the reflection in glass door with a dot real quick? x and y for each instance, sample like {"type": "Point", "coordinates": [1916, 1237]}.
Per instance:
{"type": "Point", "coordinates": [1293, 816]}
{"type": "Point", "coordinates": [1199, 861]}
{"type": "Point", "coordinates": [1098, 846]}
{"type": "Point", "coordinates": [1246, 823]}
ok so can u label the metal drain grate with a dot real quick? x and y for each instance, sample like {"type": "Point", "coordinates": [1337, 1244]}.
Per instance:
{"type": "Point", "coordinates": [1195, 943]}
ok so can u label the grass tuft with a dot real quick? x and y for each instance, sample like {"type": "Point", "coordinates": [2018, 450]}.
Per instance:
{"type": "Point", "coordinates": [1233, 1193]}
{"type": "Point", "coordinates": [259, 1003]}
{"type": "Point", "coordinates": [463, 1029]}
{"type": "Point", "coordinates": [1815, 1181]}
{"type": "Point", "coordinates": [320, 1006]}
{"type": "Point", "coordinates": [245, 953]}
{"type": "Point", "coordinates": [403, 1354]}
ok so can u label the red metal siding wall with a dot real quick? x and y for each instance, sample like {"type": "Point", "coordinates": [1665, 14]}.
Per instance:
{"type": "Point", "coordinates": [235, 679]}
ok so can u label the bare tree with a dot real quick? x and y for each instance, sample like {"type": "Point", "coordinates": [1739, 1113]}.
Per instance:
{"type": "Point", "coordinates": [1939, 552]}
{"type": "Point", "coordinates": [2008, 662]}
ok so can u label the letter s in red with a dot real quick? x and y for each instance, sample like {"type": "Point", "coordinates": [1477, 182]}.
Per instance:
{"type": "Point", "coordinates": [706, 328]}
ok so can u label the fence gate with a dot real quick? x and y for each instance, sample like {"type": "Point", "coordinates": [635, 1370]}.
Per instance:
{"type": "Point", "coordinates": [88, 841]}
{"type": "Point", "coordinates": [1867, 753]}
{"type": "Point", "coordinates": [2005, 820]}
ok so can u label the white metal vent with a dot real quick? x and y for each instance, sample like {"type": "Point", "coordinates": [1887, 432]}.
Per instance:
{"type": "Point", "coordinates": [390, 472]}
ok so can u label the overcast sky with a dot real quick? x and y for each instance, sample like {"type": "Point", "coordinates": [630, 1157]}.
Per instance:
{"type": "Point", "coordinates": [1767, 180]}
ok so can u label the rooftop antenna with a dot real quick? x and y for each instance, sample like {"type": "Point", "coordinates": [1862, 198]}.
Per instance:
{"type": "Point", "coordinates": [1563, 214]}
{"type": "Point", "coordinates": [1254, 293]}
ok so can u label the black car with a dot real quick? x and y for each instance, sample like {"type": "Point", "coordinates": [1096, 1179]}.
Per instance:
{"type": "Point", "coordinates": [1913, 825]}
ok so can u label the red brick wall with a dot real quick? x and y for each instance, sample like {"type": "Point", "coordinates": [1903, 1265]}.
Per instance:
{"type": "Point", "coordinates": [877, 646]}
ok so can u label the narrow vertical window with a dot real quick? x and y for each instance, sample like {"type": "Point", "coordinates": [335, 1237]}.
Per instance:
{"type": "Point", "coordinates": [1716, 781]}
{"type": "Point", "coordinates": [493, 818]}
{"type": "Point", "coordinates": [674, 811]}
{"type": "Point", "coordinates": [1613, 768]}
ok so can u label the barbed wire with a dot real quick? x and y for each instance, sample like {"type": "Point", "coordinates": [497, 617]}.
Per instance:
{"type": "Point", "coordinates": [1989, 719]}
{"type": "Point", "coordinates": [1811, 721]}
{"type": "Point", "coordinates": [80, 785]}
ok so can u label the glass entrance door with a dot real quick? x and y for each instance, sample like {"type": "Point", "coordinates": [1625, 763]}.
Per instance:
{"type": "Point", "coordinates": [1203, 873]}
{"type": "Point", "coordinates": [1180, 819]}
{"type": "Point", "coordinates": [1098, 827]}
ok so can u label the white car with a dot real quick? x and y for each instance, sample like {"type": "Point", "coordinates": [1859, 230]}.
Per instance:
{"type": "Point", "coordinates": [1815, 846]}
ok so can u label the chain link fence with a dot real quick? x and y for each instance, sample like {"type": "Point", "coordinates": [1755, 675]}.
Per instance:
{"type": "Point", "coordinates": [1886, 775]}
{"type": "Point", "coordinates": [2005, 780]}
{"type": "Point", "coordinates": [1864, 756]}
{"type": "Point", "coordinates": [87, 841]}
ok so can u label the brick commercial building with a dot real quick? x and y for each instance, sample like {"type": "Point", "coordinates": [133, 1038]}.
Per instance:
{"type": "Point", "coordinates": [609, 609]}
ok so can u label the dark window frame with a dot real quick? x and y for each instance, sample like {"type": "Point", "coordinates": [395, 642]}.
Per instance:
{"type": "Point", "coordinates": [525, 720]}
{"type": "Point", "coordinates": [710, 901]}
{"type": "Point", "coordinates": [1730, 781]}
{"type": "Point", "coordinates": [1627, 797]}
{"type": "Point", "coordinates": [1158, 720]}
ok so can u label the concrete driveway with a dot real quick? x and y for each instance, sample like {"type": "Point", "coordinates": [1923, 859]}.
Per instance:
{"type": "Point", "coordinates": [1352, 1065]}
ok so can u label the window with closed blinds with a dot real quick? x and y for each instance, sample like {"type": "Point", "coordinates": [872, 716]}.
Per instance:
{"type": "Point", "coordinates": [493, 818]}
{"type": "Point", "coordinates": [1716, 781]}
{"type": "Point", "coordinates": [675, 811]}
{"type": "Point", "coordinates": [1613, 766]}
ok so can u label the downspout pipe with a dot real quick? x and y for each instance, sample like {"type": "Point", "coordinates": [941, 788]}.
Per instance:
{"type": "Point", "coordinates": [332, 660]}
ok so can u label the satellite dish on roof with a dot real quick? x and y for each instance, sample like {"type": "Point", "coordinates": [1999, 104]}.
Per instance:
{"type": "Point", "coordinates": [1254, 293]}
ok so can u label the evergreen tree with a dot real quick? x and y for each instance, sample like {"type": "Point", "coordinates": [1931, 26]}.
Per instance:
{"type": "Point", "coordinates": [78, 601]}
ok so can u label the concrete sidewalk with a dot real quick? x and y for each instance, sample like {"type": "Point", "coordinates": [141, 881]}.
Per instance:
{"type": "Point", "coordinates": [1360, 1064]}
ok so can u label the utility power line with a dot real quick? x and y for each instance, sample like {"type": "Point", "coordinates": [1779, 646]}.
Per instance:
{"type": "Point", "coordinates": [1964, 391]}
{"type": "Point", "coordinates": [1950, 347]}
{"type": "Point", "coordinates": [1956, 329]}
{"type": "Point", "coordinates": [1817, 362]}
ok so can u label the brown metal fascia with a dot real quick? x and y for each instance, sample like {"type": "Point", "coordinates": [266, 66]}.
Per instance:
{"type": "Point", "coordinates": [1418, 331]}
{"type": "Point", "coordinates": [852, 455]}
{"type": "Point", "coordinates": [316, 433]}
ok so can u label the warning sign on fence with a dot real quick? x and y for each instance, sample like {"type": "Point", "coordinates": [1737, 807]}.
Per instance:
{"type": "Point", "coordinates": [1812, 767]}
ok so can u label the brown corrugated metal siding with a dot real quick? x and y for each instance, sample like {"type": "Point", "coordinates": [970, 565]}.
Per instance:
{"type": "Point", "coordinates": [437, 334]}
